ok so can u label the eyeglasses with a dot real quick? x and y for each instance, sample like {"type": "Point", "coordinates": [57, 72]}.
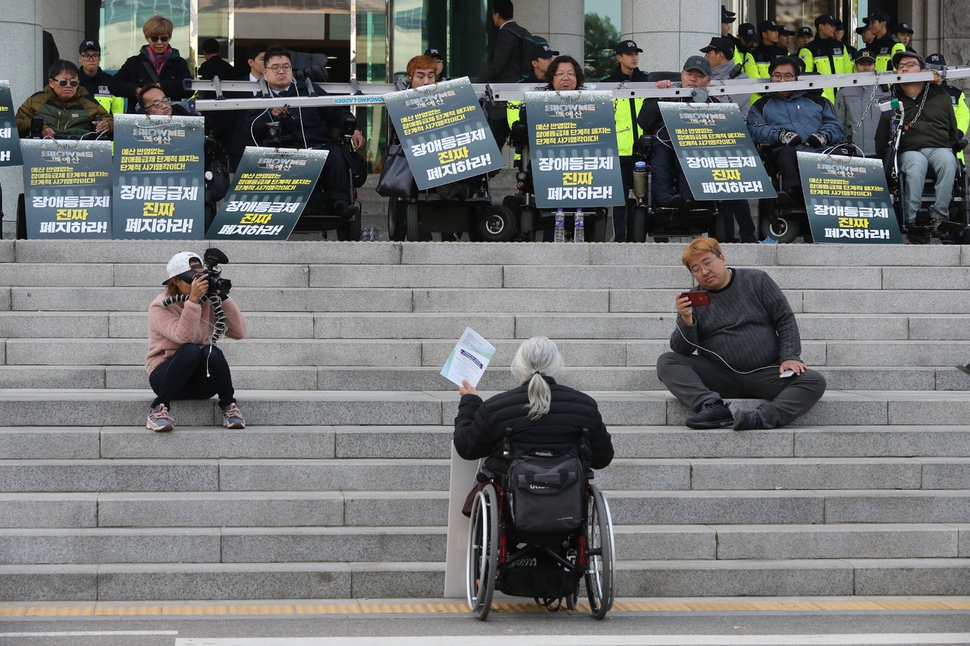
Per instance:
{"type": "Point", "coordinates": [783, 77]}
{"type": "Point", "coordinates": [90, 57]}
{"type": "Point", "coordinates": [157, 103]}
{"type": "Point", "coordinates": [564, 75]}
{"type": "Point", "coordinates": [705, 265]}
{"type": "Point", "coordinates": [164, 39]}
{"type": "Point", "coordinates": [64, 83]}
{"type": "Point", "coordinates": [908, 65]}
{"type": "Point", "coordinates": [280, 68]}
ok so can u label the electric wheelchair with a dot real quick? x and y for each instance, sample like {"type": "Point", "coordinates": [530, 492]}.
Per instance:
{"type": "Point", "coordinates": [547, 567]}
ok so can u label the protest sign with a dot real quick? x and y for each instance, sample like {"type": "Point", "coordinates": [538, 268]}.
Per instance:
{"type": "Point", "coordinates": [271, 189]}
{"type": "Point", "coordinates": [67, 188]}
{"type": "Point", "coordinates": [715, 151]}
{"type": "Point", "coordinates": [158, 185]}
{"type": "Point", "coordinates": [444, 133]}
{"type": "Point", "coordinates": [573, 149]}
{"type": "Point", "coordinates": [9, 137]}
{"type": "Point", "coordinates": [847, 199]}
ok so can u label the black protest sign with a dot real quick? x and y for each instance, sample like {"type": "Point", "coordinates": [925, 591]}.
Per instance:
{"type": "Point", "coordinates": [271, 188]}
{"type": "Point", "coordinates": [9, 136]}
{"type": "Point", "coordinates": [67, 188]}
{"type": "Point", "coordinates": [573, 153]}
{"type": "Point", "coordinates": [715, 151]}
{"type": "Point", "coordinates": [847, 199]}
{"type": "Point", "coordinates": [444, 133]}
{"type": "Point", "coordinates": [159, 189]}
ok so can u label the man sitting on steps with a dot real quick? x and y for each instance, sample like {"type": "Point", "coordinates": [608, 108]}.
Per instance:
{"type": "Point", "coordinates": [747, 345]}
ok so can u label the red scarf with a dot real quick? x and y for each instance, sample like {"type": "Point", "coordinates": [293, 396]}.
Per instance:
{"type": "Point", "coordinates": [159, 60]}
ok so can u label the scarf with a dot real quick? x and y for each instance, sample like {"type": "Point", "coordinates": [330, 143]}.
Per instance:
{"type": "Point", "coordinates": [159, 60]}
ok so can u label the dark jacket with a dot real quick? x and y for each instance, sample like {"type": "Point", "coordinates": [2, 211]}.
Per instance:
{"type": "Point", "coordinates": [936, 126]}
{"type": "Point", "coordinates": [138, 71]}
{"type": "Point", "coordinates": [93, 84]}
{"type": "Point", "coordinates": [505, 65]}
{"type": "Point", "coordinates": [801, 113]}
{"type": "Point", "coordinates": [480, 426]}
{"type": "Point", "coordinates": [317, 127]}
{"type": "Point", "coordinates": [217, 66]}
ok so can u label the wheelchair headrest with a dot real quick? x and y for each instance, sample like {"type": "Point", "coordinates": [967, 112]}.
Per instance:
{"type": "Point", "coordinates": [520, 133]}
{"type": "Point", "coordinates": [653, 77]}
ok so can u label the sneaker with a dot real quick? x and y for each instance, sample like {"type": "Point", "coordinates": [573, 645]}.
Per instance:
{"type": "Point", "coordinates": [232, 417]}
{"type": "Point", "coordinates": [747, 420]}
{"type": "Point", "coordinates": [715, 415]}
{"type": "Point", "coordinates": [159, 420]}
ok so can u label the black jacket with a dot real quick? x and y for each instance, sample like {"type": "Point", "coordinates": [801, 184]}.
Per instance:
{"type": "Point", "coordinates": [618, 76]}
{"type": "Point", "coordinates": [138, 70]}
{"type": "Point", "coordinates": [318, 124]}
{"type": "Point", "coordinates": [218, 66]}
{"type": "Point", "coordinates": [480, 426]}
{"type": "Point", "coordinates": [505, 65]}
{"type": "Point", "coordinates": [93, 84]}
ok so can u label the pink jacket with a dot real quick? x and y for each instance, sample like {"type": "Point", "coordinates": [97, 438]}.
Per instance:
{"type": "Point", "coordinates": [169, 328]}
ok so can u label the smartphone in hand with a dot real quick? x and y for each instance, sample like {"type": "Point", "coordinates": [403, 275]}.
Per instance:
{"type": "Point", "coordinates": [698, 298]}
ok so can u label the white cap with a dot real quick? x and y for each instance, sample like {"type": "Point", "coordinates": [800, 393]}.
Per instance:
{"type": "Point", "coordinates": [179, 264]}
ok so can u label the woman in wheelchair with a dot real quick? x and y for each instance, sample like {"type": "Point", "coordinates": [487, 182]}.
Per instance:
{"type": "Point", "coordinates": [537, 526]}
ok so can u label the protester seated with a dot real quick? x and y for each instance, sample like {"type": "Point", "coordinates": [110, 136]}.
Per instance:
{"type": "Point", "coordinates": [152, 100]}
{"type": "Point", "coordinates": [928, 136]}
{"type": "Point", "coordinates": [63, 108]}
{"type": "Point", "coordinates": [790, 121]}
{"type": "Point", "coordinates": [670, 187]}
{"type": "Point", "coordinates": [308, 128]}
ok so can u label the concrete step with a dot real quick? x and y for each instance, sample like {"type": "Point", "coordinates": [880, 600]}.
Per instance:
{"type": "Point", "coordinates": [80, 407]}
{"type": "Point", "coordinates": [647, 578]}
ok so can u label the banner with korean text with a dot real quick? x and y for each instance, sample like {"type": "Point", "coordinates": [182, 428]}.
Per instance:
{"type": "Point", "coordinates": [67, 188]}
{"type": "Point", "coordinates": [9, 137]}
{"type": "Point", "coordinates": [715, 151]}
{"type": "Point", "coordinates": [444, 133]}
{"type": "Point", "coordinates": [847, 199]}
{"type": "Point", "coordinates": [159, 187]}
{"type": "Point", "coordinates": [271, 189]}
{"type": "Point", "coordinates": [573, 152]}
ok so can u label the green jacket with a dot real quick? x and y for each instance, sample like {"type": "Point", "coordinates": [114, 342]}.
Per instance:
{"type": "Point", "coordinates": [71, 118]}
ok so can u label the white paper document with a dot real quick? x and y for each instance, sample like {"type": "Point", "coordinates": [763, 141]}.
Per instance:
{"type": "Point", "coordinates": [469, 358]}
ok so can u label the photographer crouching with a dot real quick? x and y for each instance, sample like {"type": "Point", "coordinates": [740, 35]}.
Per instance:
{"type": "Point", "coordinates": [184, 324]}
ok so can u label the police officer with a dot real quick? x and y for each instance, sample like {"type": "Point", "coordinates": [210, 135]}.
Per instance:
{"type": "Point", "coordinates": [826, 55]}
{"type": "Point", "coordinates": [883, 45]}
{"type": "Point", "coordinates": [625, 113]}
{"type": "Point", "coordinates": [747, 37]}
{"type": "Point", "coordinates": [439, 63]}
{"type": "Point", "coordinates": [957, 98]}
{"type": "Point", "coordinates": [805, 36]}
{"type": "Point", "coordinates": [904, 34]}
{"type": "Point", "coordinates": [763, 54]}
{"type": "Point", "coordinates": [784, 38]}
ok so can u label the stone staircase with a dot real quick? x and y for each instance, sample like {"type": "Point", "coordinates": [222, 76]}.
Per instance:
{"type": "Point", "coordinates": [339, 486]}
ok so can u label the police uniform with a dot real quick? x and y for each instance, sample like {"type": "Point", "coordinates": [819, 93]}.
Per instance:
{"type": "Point", "coordinates": [826, 56]}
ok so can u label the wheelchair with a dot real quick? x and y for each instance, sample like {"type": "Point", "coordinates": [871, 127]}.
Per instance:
{"type": "Point", "coordinates": [464, 206]}
{"type": "Point", "coordinates": [953, 230]}
{"type": "Point", "coordinates": [529, 217]}
{"type": "Point", "coordinates": [547, 568]}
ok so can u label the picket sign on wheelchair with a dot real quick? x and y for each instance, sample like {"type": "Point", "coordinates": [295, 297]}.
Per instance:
{"type": "Point", "coordinates": [538, 531]}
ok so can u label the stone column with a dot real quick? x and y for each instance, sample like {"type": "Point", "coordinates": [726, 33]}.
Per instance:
{"type": "Point", "coordinates": [22, 46]}
{"type": "Point", "coordinates": [669, 31]}
{"type": "Point", "coordinates": [561, 21]}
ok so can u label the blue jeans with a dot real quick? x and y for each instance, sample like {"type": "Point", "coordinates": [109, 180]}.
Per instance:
{"type": "Point", "coordinates": [914, 164]}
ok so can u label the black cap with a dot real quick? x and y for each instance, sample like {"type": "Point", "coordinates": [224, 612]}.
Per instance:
{"type": "Point", "coordinates": [861, 29]}
{"type": "Point", "coordinates": [935, 60]}
{"type": "Point", "coordinates": [864, 55]}
{"type": "Point", "coordinates": [838, 25]}
{"type": "Point", "coordinates": [767, 25]}
{"type": "Point", "coordinates": [783, 30]}
{"type": "Point", "coordinates": [626, 47]}
{"type": "Point", "coordinates": [698, 63]}
{"type": "Point", "coordinates": [434, 52]}
{"type": "Point", "coordinates": [727, 16]}
{"type": "Point", "coordinates": [804, 31]}
{"type": "Point", "coordinates": [541, 50]}
{"type": "Point", "coordinates": [723, 45]}
{"type": "Point", "coordinates": [898, 56]}
{"type": "Point", "coordinates": [903, 28]}
{"type": "Point", "coordinates": [881, 16]}
{"type": "Point", "coordinates": [746, 31]}
{"type": "Point", "coordinates": [827, 19]}
{"type": "Point", "coordinates": [88, 44]}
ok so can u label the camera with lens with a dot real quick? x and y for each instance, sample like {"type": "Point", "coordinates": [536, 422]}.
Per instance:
{"type": "Point", "coordinates": [211, 259]}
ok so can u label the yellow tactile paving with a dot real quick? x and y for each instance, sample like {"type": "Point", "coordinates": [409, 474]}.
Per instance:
{"type": "Point", "coordinates": [366, 607]}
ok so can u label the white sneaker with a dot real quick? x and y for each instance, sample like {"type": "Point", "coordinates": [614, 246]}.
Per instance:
{"type": "Point", "coordinates": [159, 420]}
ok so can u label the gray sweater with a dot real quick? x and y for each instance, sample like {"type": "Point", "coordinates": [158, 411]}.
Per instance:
{"type": "Point", "coordinates": [749, 324]}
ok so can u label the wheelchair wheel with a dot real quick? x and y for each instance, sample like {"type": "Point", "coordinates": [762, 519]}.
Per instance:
{"type": "Point", "coordinates": [351, 230]}
{"type": "Point", "coordinates": [637, 227]}
{"type": "Point", "coordinates": [527, 224]}
{"type": "Point", "coordinates": [495, 224]}
{"type": "Point", "coordinates": [599, 226]}
{"type": "Point", "coordinates": [412, 228]}
{"type": "Point", "coordinates": [600, 561]}
{"type": "Point", "coordinates": [482, 563]}
{"type": "Point", "coordinates": [781, 229]}
{"type": "Point", "coordinates": [21, 218]}
{"type": "Point", "coordinates": [395, 219]}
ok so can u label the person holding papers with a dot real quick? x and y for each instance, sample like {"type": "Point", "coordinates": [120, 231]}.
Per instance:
{"type": "Point", "coordinates": [542, 413]}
